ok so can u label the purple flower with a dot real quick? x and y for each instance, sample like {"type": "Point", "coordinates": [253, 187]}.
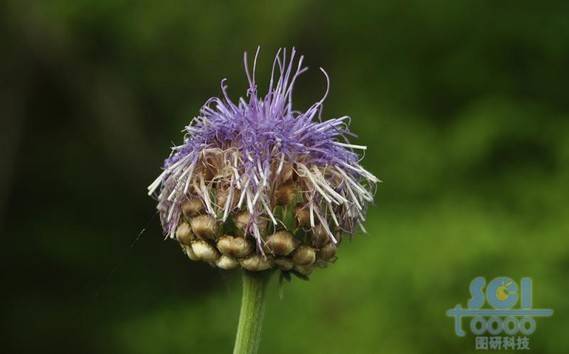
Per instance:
{"type": "Point", "coordinates": [260, 158]}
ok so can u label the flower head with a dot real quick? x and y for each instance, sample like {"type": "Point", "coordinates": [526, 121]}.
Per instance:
{"type": "Point", "coordinates": [261, 185]}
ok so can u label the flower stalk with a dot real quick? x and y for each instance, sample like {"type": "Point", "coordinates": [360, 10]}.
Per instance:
{"type": "Point", "coordinates": [252, 311]}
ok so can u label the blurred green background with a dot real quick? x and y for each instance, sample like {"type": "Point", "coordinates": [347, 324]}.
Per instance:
{"type": "Point", "coordinates": [463, 105]}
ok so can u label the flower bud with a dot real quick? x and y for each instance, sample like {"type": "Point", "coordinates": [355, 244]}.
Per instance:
{"type": "Point", "coordinates": [304, 255]}
{"type": "Point", "coordinates": [284, 195]}
{"type": "Point", "coordinates": [242, 220]}
{"type": "Point", "coordinates": [304, 269]}
{"type": "Point", "coordinates": [302, 216]}
{"type": "Point", "coordinates": [204, 251]}
{"type": "Point", "coordinates": [184, 233]}
{"type": "Point", "coordinates": [204, 226]}
{"type": "Point", "coordinates": [189, 252]}
{"type": "Point", "coordinates": [283, 263]}
{"type": "Point", "coordinates": [281, 243]}
{"type": "Point", "coordinates": [226, 262]}
{"type": "Point", "coordinates": [319, 236]}
{"type": "Point", "coordinates": [328, 252]}
{"type": "Point", "coordinates": [192, 207]}
{"type": "Point", "coordinates": [256, 263]}
{"type": "Point", "coordinates": [221, 198]}
{"type": "Point", "coordinates": [234, 246]}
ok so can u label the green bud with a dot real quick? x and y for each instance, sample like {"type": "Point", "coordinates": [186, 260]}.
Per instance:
{"type": "Point", "coordinates": [281, 243]}
{"type": "Point", "coordinates": [189, 252]}
{"type": "Point", "coordinates": [304, 269]}
{"type": "Point", "coordinates": [242, 220]}
{"type": "Point", "coordinates": [304, 255]}
{"type": "Point", "coordinates": [234, 246]}
{"type": "Point", "coordinates": [226, 262]}
{"type": "Point", "coordinates": [184, 233]}
{"type": "Point", "coordinates": [284, 263]}
{"type": "Point", "coordinates": [192, 207]}
{"type": "Point", "coordinates": [204, 226]}
{"type": "Point", "coordinates": [204, 251]}
{"type": "Point", "coordinates": [284, 195]}
{"type": "Point", "coordinates": [319, 236]}
{"type": "Point", "coordinates": [327, 252]}
{"type": "Point", "coordinates": [256, 263]}
{"type": "Point", "coordinates": [302, 216]}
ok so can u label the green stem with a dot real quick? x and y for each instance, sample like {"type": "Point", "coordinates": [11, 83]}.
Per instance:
{"type": "Point", "coordinates": [252, 311]}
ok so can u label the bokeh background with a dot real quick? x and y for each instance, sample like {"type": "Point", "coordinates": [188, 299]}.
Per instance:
{"type": "Point", "coordinates": [463, 105]}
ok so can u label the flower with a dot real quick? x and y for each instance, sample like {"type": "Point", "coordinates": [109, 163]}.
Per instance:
{"type": "Point", "coordinates": [260, 185]}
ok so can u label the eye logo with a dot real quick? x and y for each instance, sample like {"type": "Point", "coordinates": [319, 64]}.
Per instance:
{"type": "Point", "coordinates": [499, 307]}
{"type": "Point", "coordinates": [502, 292]}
